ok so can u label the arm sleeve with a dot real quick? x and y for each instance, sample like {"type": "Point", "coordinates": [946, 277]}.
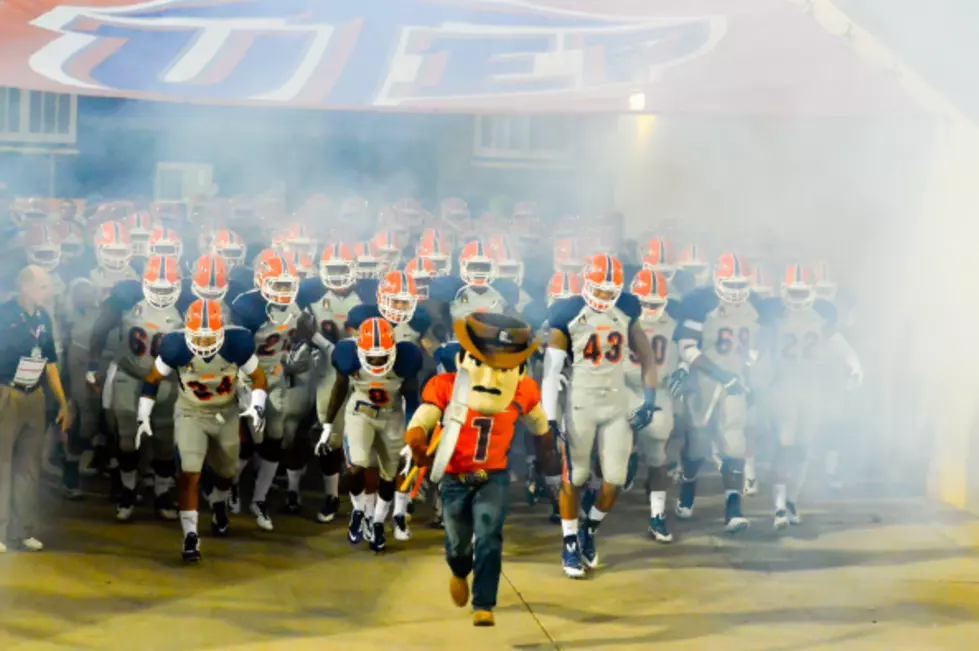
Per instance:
{"type": "Point", "coordinates": [551, 384]}
{"type": "Point", "coordinates": [238, 347]}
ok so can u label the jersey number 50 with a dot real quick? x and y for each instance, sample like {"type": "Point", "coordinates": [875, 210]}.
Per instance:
{"type": "Point", "coordinates": [593, 349]}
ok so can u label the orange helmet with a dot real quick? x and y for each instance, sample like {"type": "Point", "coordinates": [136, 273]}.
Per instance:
{"type": "Point", "coordinates": [210, 279]}
{"type": "Point", "coordinates": [388, 245]}
{"type": "Point", "coordinates": [732, 278]}
{"type": "Point", "coordinates": [276, 279]}
{"type": "Point", "coordinates": [337, 266]}
{"type": "Point", "coordinates": [302, 262]}
{"type": "Point", "coordinates": [826, 286]}
{"type": "Point", "coordinates": [761, 282]}
{"type": "Point", "coordinates": [161, 281]}
{"type": "Point", "coordinates": [693, 262]}
{"type": "Point", "coordinates": [564, 284]}
{"type": "Point", "coordinates": [650, 288]}
{"type": "Point", "coordinates": [454, 209]}
{"type": "Point", "coordinates": [798, 290]}
{"type": "Point", "coordinates": [422, 271]}
{"type": "Point", "coordinates": [476, 266]}
{"type": "Point", "coordinates": [229, 245]}
{"type": "Point", "coordinates": [567, 255]}
{"type": "Point", "coordinates": [376, 348]}
{"type": "Point", "coordinates": [659, 256]}
{"type": "Point", "coordinates": [43, 246]}
{"type": "Point", "coordinates": [397, 297]}
{"type": "Point", "coordinates": [602, 281]}
{"type": "Point", "coordinates": [508, 263]}
{"type": "Point", "coordinates": [140, 226]}
{"type": "Point", "coordinates": [367, 260]}
{"type": "Point", "coordinates": [434, 247]}
{"type": "Point", "coordinates": [298, 238]}
{"type": "Point", "coordinates": [203, 328]}
{"type": "Point", "coordinates": [166, 241]}
{"type": "Point", "coordinates": [113, 249]}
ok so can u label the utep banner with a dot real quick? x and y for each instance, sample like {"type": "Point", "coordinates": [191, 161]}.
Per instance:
{"type": "Point", "coordinates": [689, 56]}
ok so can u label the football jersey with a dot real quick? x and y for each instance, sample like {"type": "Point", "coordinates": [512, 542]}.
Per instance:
{"type": "Point", "coordinates": [380, 392]}
{"type": "Point", "coordinates": [207, 384]}
{"type": "Point", "coordinates": [105, 279]}
{"type": "Point", "coordinates": [598, 342]}
{"type": "Point", "coordinates": [798, 337]}
{"type": "Point", "coordinates": [143, 327]}
{"type": "Point", "coordinates": [272, 338]}
{"type": "Point", "coordinates": [465, 299]}
{"type": "Point", "coordinates": [726, 333]}
{"type": "Point", "coordinates": [665, 354]}
{"type": "Point", "coordinates": [411, 330]}
{"type": "Point", "coordinates": [484, 441]}
{"type": "Point", "coordinates": [329, 307]}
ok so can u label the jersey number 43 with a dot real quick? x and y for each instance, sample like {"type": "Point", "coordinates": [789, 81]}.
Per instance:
{"type": "Point", "coordinates": [593, 350]}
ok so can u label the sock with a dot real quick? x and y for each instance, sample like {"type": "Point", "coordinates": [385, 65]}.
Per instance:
{"type": "Point", "coordinates": [400, 503]}
{"type": "Point", "coordinates": [595, 517]}
{"type": "Point", "coordinates": [657, 503]}
{"type": "Point", "coordinates": [357, 501]}
{"type": "Point", "coordinates": [188, 522]}
{"type": "Point", "coordinates": [729, 492]}
{"type": "Point", "coordinates": [749, 469]}
{"type": "Point", "coordinates": [128, 479]}
{"type": "Point", "coordinates": [331, 484]}
{"type": "Point", "coordinates": [242, 464]}
{"type": "Point", "coordinates": [295, 476]}
{"type": "Point", "coordinates": [263, 481]}
{"type": "Point", "coordinates": [160, 485]}
{"type": "Point", "coordinates": [369, 501]}
{"type": "Point", "coordinates": [779, 497]}
{"type": "Point", "coordinates": [569, 527]}
{"type": "Point", "coordinates": [381, 510]}
{"type": "Point", "coordinates": [217, 496]}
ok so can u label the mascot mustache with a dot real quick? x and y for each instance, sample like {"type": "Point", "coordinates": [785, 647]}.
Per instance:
{"type": "Point", "coordinates": [490, 390]}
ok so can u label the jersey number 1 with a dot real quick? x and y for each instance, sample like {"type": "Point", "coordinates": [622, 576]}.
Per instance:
{"type": "Point", "coordinates": [593, 349]}
{"type": "Point", "coordinates": [484, 427]}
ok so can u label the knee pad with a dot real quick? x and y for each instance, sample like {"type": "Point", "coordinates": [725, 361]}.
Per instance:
{"type": "Point", "coordinates": [690, 468]}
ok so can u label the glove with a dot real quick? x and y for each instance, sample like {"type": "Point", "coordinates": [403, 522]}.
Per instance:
{"type": "Point", "coordinates": [407, 460]}
{"type": "Point", "coordinates": [143, 429]}
{"type": "Point", "coordinates": [677, 381]}
{"type": "Point", "coordinates": [323, 445]}
{"type": "Point", "coordinates": [733, 386]}
{"type": "Point", "coordinates": [417, 439]}
{"type": "Point", "coordinates": [643, 414]}
{"type": "Point", "coordinates": [305, 328]}
{"type": "Point", "coordinates": [256, 417]}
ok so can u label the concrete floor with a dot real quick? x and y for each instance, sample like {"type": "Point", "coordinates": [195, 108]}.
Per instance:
{"type": "Point", "coordinates": [862, 574]}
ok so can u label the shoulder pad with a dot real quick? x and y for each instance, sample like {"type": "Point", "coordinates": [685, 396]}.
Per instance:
{"type": "Point", "coordinates": [311, 291]}
{"type": "Point", "coordinates": [446, 354]}
{"type": "Point", "coordinates": [174, 351]}
{"type": "Point", "coordinates": [444, 288]}
{"type": "Point", "coordinates": [360, 313]}
{"type": "Point", "coordinates": [248, 310]}
{"type": "Point", "coordinates": [124, 295]}
{"type": "Point", "coordinates": [698, 304]}
{"type": "Point", "coordinates": [535, 313]}
{"type": "Point", "coordinates": [673, 309]}
{"type": "Point", "coordinates": [408, 359]}
{"type": "Point", "coordinates": [366, 290]}
{"type": "Point", "coordinates": [563, 311]}
{"type": "Point", "coordinates": [826, 310]}
{"type": "Point", "coordinates": [239, 345]}
{"type": "Point", "coordinates": [345, 359]}
{"type": "Point", "coordinates": [420, 321]}
{"type": "Point", "coordinates": [509, 290]}
{"type": "Point", "coordinates": [629, 304]}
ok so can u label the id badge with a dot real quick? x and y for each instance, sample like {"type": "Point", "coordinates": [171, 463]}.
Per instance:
{"type": "Point", "coordinates": [29, 371]}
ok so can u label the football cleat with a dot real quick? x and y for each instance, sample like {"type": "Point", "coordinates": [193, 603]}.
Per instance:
{"type": "Point", "coordinates": [219, 519]}
{"type": "Point", "coordinates": [329, 511]}
{"type": "Point", "coordinates": [378, 539]}
{"type": "Point", "coordinates": [750, 487]}
{"type": "Point", "coordinates": [684, 501]}
{"type": "Point", "coordinates": [401, 530]}
{"type": "Point", "coordinates": [781, 519]}
{"type": "Point", "coordinates": [571, 558]}
{"type": "Point", "coordinates": [294, 503]}
{"type": "Point", "coordinates": [164, 507]}
{"type": "Point", "coordinates": [734, 521]}
{"type": "Point", "coordinates": [586, 543]}
{"type": "Point", "coordinates": [355, 530]}
{"type": "Point", "coordinates": [192, 548]}
{"type": "Point", "coordinates": [234, 500]}
{"type": "Point", "coordinates": [126, 505]}
{"type": "Point", "coordinates": [793, 515]}
{"type": "Point", "coordinates": [658, 530]}
{"type": "Point", "coordinates": [368, 528]}
{"type": "Point", "coordinates": [261, 513]}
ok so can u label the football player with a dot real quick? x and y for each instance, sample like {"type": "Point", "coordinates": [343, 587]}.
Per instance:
{"type": "Point", "coordinates": [209, 281]}
{"type": "Point", "coordinates": [717, 338]}
{"type": "Point", "coordinates": [144, 313]}
{"type": "Point", "coordinates": [510, 268]}
{"type": "Point", "coordinates": [597, 330]}
{"type": "Point", "coordinates": [207, 359]}
{"type": "Point", "coordinates": [269, 312]}
{"type": "Point", "coordinates": [382, 376]}
{"type": "Point", "coordinates": [694, 264]}
{"type": "Point", "coordinates": [113, 253]}
{"type": "Point", "coordinates": [435, 248]}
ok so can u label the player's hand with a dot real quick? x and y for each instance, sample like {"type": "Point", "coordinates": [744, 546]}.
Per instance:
{"type": "Point", "coordinates": [417, 439]}
{"type": "Point", "coordinates": [643, 414]}
{"type": "Point", "coordinates": [407, 460]}
{"type": "Point", "coordinates": [323, 445]}
{"type": "Point", "coordinates": [256, 418]}
{"type": "Point", "coordinates": [93, 381]}
{"type": "Point", "coordinates": [143, 429]}
{"type": "Point", "coordinates": [64, 418]}
{"type": "Point", "coordinates": [678, 379]}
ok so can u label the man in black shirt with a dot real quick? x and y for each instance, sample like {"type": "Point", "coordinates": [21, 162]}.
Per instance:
{"type": "Point", "coordinates": [27, 355]}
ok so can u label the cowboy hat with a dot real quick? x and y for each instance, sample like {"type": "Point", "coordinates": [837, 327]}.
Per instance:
{"type": "Point", "coordinates": [499, 341]}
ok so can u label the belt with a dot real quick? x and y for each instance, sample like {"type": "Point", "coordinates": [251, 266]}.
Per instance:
{"type": "Point", "coordinates": [22, 388]}
{"type": "Point", "coordinates": [476, 477]}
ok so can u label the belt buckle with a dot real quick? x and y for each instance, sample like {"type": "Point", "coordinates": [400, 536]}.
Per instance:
{"type": "Point", "coordinates": [480, 476]}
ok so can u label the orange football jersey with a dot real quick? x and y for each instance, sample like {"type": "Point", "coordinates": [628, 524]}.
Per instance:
{"type": "Point", "coordinates": [484, 440]}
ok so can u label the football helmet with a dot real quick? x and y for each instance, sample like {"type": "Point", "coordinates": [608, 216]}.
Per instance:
{"type": "Point", "coordinates": [161, 281]}
{"type": "Point", "coordinates": [389, 246]}
{"type": "Point", "coordinates": [508, 263]}
{"type": "Point", "coordinates": [397, 297]}
{"type": "Point", "coordinates": [276, 278]}
{"type": "Point", "coordinates": [798, 291]}
{"type": "Point", "coordinates": [203, 328]}
{"type": "Point", "coordinates": [567, 255]}
{"type": "Point", "coordinates": [564, 284]}
{"type": "Point", "coordinates": [229, 245]}
{"type": "Point", "coordinates": [210, 279]}
{"type": "Point", "coordinates": [337, 267]}
{"type": "Point", "coordinates": [476, 266]}
{"type": "Point", "coordinates": [659, 256]}
{"type": "Point", "coordinates": [113, 249]}
{"type": "Point", "coordinates": [693, 262]}
{"type": "Point", "coordinates": [298, 238]}
{"type": "Point", "coordinates": [140, 226]}
{"type": "Point", "coordinates": [376, 347]}
{"type": "Point", "coordinates": [302, 262]}
{"type": "Point", "coordinates": [761, 282]}
{"type": "Point", "coordinates": [602, 281]}
{"type": "Point", "coordinates": [732, 278]}
{"type": "Point", "coordinates": [422, 272]}
{"type": "Point", "coordinates": [367, 260]}
{"type": "Point", "coordinates": [826, 287]}
{"type": "Point", "coordinates": [650, 288]}
{"type": "Point", "coordinates": [434, 247]}
{"type": "Point", "coordinates": [43, 246]}
{"type": "Point", "coordinates": [166, 241]}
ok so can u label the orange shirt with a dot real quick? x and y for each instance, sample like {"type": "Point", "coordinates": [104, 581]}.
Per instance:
{"type": "Point", "coordinates": [484, 441]}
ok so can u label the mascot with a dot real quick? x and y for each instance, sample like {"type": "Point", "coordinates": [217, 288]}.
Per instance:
{"type": "Point", "coordinates": [470, 416]}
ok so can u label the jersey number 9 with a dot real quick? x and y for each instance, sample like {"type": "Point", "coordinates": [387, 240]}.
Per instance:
{"type": "Point", "coordinates": [379, 397]}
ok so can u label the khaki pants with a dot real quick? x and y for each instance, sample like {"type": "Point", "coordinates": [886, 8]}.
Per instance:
{"type": "Point", "coordinates": [22, 426]}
